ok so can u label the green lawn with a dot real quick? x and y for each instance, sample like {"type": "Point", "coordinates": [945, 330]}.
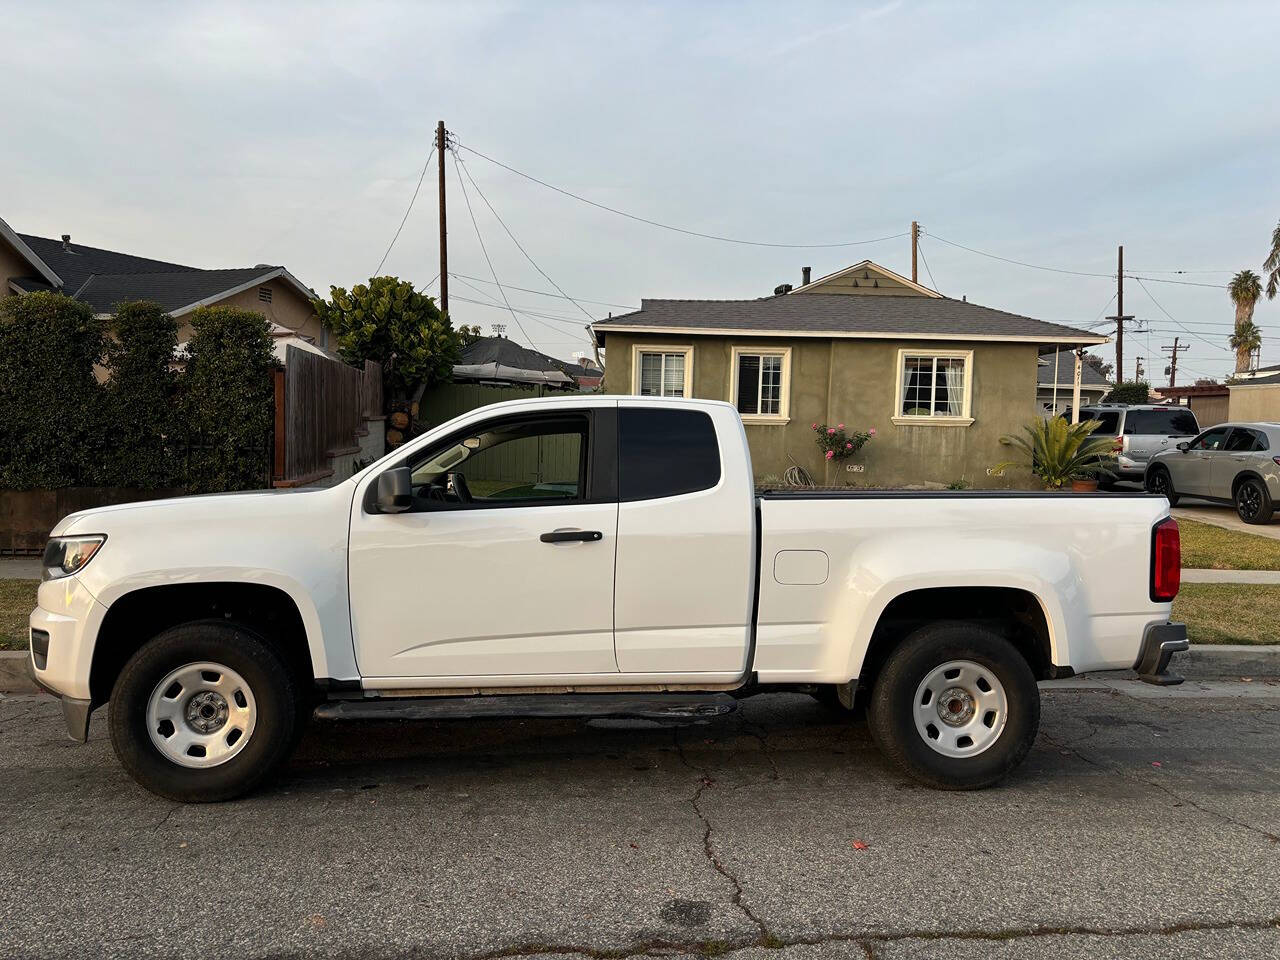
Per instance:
{"type": "Point", "coordinates": [17, 600]}
{"type": "Point", "coordinates": [1207, 547]}
{"type": "Point", "coordinates": [1229, 612]}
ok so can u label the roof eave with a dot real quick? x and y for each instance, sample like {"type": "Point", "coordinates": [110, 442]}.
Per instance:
{"type": "Point", "coordinates": [1069, 337]}
{"type": "Point", "coordinates": [280, 272]}
{"type": "Point", "coordinates": [24, 250]}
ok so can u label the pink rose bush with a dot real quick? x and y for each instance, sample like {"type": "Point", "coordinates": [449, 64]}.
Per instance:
{"type": "Point", "coordinates": [837, 443]}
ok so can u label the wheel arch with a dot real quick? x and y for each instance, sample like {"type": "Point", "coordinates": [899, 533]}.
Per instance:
{"type": "Point", "coordinates": [1247, 474]}
{"type": "Point", "coordinates": [1015, 612]}
{"type": "Point", "coordinates": [138, 615]}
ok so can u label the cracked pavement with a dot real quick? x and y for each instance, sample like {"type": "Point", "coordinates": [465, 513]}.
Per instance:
{"type": "Point", "coordinates": [1141, 825]}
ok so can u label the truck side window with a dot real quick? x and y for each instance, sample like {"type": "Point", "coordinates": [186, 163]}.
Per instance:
{"type": "Point", "coordinates": [664, 453]}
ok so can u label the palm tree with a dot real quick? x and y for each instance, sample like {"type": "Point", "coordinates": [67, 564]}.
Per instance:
{"type": "Point", "coordinates": [1272, 264]}
{"type": "Point", "coordinates": [1245, 290]}
{"type": "Point", "coordinates": [1245, 342]}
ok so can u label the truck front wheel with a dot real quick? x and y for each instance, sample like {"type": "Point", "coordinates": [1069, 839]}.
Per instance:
{"type": "Point", "coordinates": [955, 706]}
{"type": "Point", "coordinates": [203, 712]}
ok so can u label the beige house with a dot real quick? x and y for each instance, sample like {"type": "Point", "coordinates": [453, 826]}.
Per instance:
{"type": "Point", "coordinates": [940, 380]}
{"type": "Point", "coordinates": [103, 278]}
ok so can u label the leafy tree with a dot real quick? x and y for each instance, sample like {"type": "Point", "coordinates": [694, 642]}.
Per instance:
{"type": "Point", "coordinates": [1245, 341]}
{"type": "Point", "coordinates": [141, 392]}
{"type": "Point", "coordinates": [51, 406]}
{"type": "Point", "coordinates": [1059, 452]}
{"type": "Point", "coordinates": [1095, 361]}
{"type": "Point", "coordinates": [227, 399]}
{"type": "Point", "coordinates": [1272, 264]}
{"type": "Point", "coordinates": [388, 321]}
{"type": "Point", "coordinates": [1245, 290]}
{"type": "Point", "coordinates": [1130, 391]}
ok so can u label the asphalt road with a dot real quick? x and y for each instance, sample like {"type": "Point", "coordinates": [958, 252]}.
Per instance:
{"type": "Point", "coordinates": [1142, 825]}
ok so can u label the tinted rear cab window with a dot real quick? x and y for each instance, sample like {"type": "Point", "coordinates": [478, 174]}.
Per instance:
{"type": "Point", "coordinates": [1163, 423]}
{"type": "Point", "coordinates": [1110, 419]}
{"type": "Point", "coordinates": [664, 453]}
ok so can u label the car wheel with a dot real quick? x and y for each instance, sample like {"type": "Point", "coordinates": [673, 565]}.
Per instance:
{"type": "Point", "coordinates": [203, 712]}
{"type": "Point", "coordinates": [956, 707]}
{"type": "Point", "coordinates": [1159, 482]}
{"type": "Point", "coordinates": [1253, 503]}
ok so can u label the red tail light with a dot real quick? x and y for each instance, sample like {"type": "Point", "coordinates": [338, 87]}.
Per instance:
{"type": "Point", "coordinates": [1119, 444]}
{"type": "Point", "coordinates": [1166, 560]}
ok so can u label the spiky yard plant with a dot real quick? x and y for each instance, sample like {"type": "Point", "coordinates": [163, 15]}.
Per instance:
{"type": "Point", "coordinates": [1058, 451]}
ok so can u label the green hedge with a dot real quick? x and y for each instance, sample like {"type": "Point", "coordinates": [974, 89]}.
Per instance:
{"type": "Point", "coordinates": [87, 402]}
{"type": "Point", "coordinates": [1130, 391]}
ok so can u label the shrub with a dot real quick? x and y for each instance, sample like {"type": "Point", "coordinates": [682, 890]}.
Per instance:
{"type": "Point", "coordinates": [837, 443]}
{"type": "Point", "coordinates": [1059, 452]}
{"type": "Point", "coordinates": [1130, 391]}
{"type": "Point", "coordinates": [51, 408]}
{"type": "Point", "coordinates": [227, 400]}
{"type": "Point", "coordinates": [140, 396]}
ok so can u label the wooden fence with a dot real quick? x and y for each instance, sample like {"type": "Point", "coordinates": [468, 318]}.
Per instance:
{"type": "Point", "coordinates": [321, 409]}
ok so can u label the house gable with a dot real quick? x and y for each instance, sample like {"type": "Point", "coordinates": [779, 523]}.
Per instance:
{"type": "Point", "coordinates": [866, 279]}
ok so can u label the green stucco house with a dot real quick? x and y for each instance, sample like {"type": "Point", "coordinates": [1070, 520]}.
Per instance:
{"type": "Point", "coordinates": [940, 380]}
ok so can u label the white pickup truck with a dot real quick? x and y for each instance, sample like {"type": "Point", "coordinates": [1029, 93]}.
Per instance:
{"type": "Point", "coordinates": [590, 556]}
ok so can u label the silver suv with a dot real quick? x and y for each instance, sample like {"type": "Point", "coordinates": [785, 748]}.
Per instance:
{"type": "Point", "coordinates": [1141, 431]}
{"type": "Point", "coordinates": [1237, 463]}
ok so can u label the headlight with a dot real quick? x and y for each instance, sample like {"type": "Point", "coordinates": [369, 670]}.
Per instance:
{"type": "Point", "coordinates": [64, 556]}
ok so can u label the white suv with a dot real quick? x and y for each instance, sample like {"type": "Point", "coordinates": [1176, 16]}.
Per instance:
{"type": "Point", "coordinates": [1141, 431]}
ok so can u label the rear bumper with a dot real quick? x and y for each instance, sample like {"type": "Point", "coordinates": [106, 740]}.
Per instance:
{"type": "Point", "coordinates": [1160, 642]}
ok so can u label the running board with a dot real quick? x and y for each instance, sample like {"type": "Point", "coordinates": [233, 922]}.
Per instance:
{"type": "Point", "coordinates": [657, 706]}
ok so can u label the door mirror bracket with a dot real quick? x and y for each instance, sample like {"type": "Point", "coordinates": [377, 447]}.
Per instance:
{"type": "Point", "coordinates": [1184, 446]}
{"type": "Point", "coordinates": [395, 490]}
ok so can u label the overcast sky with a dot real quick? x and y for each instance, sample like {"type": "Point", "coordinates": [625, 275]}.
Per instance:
{"type": "Point", "coordinates": [222, 135]}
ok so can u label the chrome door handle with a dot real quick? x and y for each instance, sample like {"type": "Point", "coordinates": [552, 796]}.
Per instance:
{"type": "Point", "coordinates": [569, 536]}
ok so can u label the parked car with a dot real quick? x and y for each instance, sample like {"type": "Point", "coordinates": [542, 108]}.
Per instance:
{"type": "Point", "coordinates": [590, 555]}
{"type": "Point", "coordinates": [1237, 463]}
{"type": "Point", "coordinates": [1141, 431]}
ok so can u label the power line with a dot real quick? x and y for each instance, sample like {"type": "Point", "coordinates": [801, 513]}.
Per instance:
{"type": "Point", "coordinates": [405, 218]}
{"type": "Point", "coordinates": [920, 248]}
{"type": "Point", "coordinates": [483, 250]}
{"type": "Point", "coordinates": [520, 247]}
{"type": "Point", "coordinates": [1183, 283]}
{"type": "Point", "coordinates": [1175, 321]}
{"type": "Point", "coordinates": [546, 293]}
{"type": "Point", "coordinates": [667, 226]}
{"type": "Point", "coordinates": [493, 301]}
{"type": "Point", "coordinates": [1022, 263]}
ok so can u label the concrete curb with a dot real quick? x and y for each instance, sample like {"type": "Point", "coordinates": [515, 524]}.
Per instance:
{"type": "Point", "coordinates": [15, 677]}
{"type": "Point", "coordinates": [1201, 662]}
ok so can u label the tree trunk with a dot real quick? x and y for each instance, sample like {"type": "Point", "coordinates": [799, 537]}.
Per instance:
{"type": "Point", "coordinates": [1244, 316]}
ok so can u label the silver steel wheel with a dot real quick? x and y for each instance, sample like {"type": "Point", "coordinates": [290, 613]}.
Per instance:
{"type": "Point", "coordinates": [201, 714]}
{"type": "Point", "coordinates": [960, 708]}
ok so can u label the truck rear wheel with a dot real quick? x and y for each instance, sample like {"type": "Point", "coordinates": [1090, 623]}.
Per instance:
{"type": "Point", "coordinates": [203, 712]}
{"type": "Point", "coordinates": [956, 706]}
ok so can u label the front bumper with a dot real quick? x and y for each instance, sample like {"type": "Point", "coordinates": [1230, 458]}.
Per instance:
{"type": "Point", "coordinates": [1160, 642]}
{"type": "Point", "coordinates": [75, 713]}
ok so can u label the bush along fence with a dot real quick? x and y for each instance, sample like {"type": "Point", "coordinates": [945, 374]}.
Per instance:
{"type": "Point", "coordinates": [97, 410]}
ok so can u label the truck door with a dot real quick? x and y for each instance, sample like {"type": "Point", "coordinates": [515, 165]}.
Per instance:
{"type": "Point", "coordinates": [686, 541]}
{"type": "Point", "coordinates": [503, 566]}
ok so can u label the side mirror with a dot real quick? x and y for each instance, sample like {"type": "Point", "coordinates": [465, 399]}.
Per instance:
{"type": "Point", "coordinates": [395, 490]}
{"type": "Point", "coordinates": [1184, 446]}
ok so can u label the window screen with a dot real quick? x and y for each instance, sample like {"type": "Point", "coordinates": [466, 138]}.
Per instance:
{"type": "Point", "coordinates": [663, 453]}
{"type": "Point", "coordinates": [932, 386]}
{"type": "Point", "coordinates": [662, 374]}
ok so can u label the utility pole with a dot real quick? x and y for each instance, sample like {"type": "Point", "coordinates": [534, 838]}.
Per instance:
{"type": "Point", "coordinates": [1173, 352]}
{"type": "Point", "coordinates": [915, 247]}
{"type": "Point", "coordinates": [1120, 317]}
{"type": "Point", "coordinates": [441, 142]}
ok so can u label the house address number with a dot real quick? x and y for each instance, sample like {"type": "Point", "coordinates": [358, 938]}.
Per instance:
{"type": "Point", "coordinates": [855, 467]}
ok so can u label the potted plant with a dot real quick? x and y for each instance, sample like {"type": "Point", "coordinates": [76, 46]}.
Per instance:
{"type": "Point", "coordinates": [1062, 453]}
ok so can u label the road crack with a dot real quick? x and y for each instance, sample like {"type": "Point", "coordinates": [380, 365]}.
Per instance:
{"type": "Point", "coordinates": [705, 782]}
{"type": "Point", "coordinates": [1163, 788]}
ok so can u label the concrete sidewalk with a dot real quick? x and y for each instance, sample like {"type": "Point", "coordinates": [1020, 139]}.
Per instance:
{"type": "Point", "coordinates": [20, 568]}
{"type": "Point", "coordinates": [1231, 576]}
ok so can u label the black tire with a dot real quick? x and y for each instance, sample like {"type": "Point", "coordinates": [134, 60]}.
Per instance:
{"type": "Point", "coordinates": [1160, 482]}
{"type": "Point", "coordinates": [891, 717]}
{"type": "Point", "coordinates": [1253, 502]}
{"type": "Point", "coordinates": [275, 695]}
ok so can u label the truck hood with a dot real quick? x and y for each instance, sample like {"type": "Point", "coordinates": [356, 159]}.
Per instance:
{"type": "Point", "coordinates": [186, 513]}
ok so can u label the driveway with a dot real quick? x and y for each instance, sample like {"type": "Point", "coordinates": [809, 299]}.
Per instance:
{"type": "Point", "coordinates": [1224, 516]}
{"type": "Point", "coordinates": [1145, 823]}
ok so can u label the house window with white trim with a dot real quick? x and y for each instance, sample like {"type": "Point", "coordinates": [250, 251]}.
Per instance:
{"type": "Point", "coordinates": [761, 383]}
{"type": "Point", "coordinates": [934, 385]}
{"type": "Point", "coordinates": [663, 371]}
